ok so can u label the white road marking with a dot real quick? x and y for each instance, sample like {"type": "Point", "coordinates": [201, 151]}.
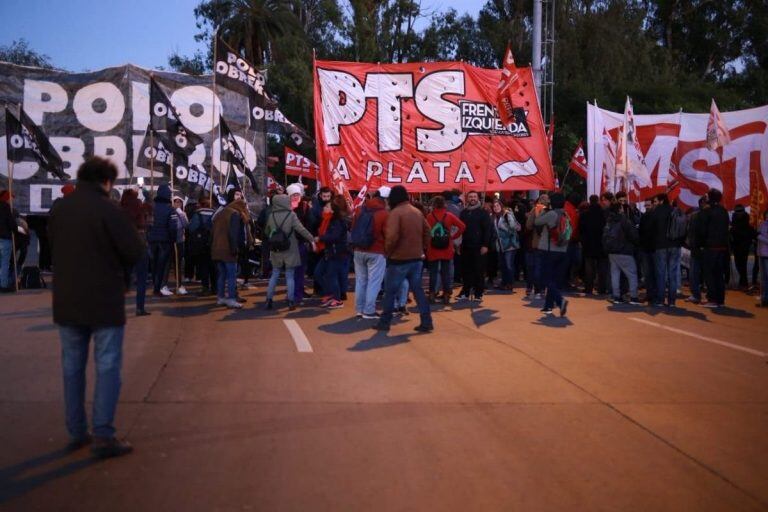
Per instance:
{"type": "Point", "coordinates": [299, 338]}
{"type": "Point", "coordinates": [703, 338]}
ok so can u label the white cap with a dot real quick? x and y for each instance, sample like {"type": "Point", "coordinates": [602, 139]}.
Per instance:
{"type": "Point", "coordinates": [384, 191]}
{"type": "Point", "coordinates": [295, 188]}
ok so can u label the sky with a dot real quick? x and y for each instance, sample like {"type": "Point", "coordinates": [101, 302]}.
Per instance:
{"type": "Point", "coordinates": [80, 35]}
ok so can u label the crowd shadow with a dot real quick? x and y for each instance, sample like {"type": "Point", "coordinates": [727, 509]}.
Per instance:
{"type": "Point", "coordinates": [348, 326]}
{"type": "Point", "coordinates": [732, 312]}
{"type": "Point", "coordinates": [379, 340]}
{"type": "Point", "coordinates": [481, 317]}
{"type": "Point", "coordinates": [558, 322]}
{"type": "Point", "coordinates": [13, 487]}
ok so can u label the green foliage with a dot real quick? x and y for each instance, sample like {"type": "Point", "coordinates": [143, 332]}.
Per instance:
{"type": "Point", "coordinates": [19, 52]}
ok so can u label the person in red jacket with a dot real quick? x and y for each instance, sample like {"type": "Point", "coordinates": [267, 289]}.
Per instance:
{"type": "Point", "coordinates": [440, 258]}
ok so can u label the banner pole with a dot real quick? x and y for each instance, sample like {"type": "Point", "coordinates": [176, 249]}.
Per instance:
{"type": "Point", "coordinates": [13, 236]}
{"type": "Point", "coordinates": [487, 164]}
{"type": "Point", "coordinates": [214, 95]}
{"type": "Point", "coordinates": [175, 244]}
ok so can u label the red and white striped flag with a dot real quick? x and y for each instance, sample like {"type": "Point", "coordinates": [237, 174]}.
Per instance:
{"type": "Point", "coordinates": [717, 133]}
{"type": "Point", "coordinates": [579, 161]}
{"type": "Point", "coordinates": [507, 87]}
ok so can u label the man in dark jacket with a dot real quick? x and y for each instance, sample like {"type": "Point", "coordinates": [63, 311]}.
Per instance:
{"type": "Point", "coordinates": [7, 228]}
{"type": "Point", "coordinates": [620, 239]}
{"type": "Point", "coordinates": [161, 237]}
{"type": "Point", "coordinates": [742, 237]}
{"type": "Point", "coordinates": [591, 224]}
{"type": "Point", "coordinates": [646, 253]}
{"type": "Point", "coordinates": [666, 252]}
{"type": "Point", "coordinates": [474, 246]}
{"type": "Point", "coordinates": [695, 272]}
{"type": "Point", "coordinates": [713, 236]}
{"type": "Point", "coordinates": [93, 246]}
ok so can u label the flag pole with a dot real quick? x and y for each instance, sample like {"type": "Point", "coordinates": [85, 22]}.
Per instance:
{"type": "Point", "coordinates": [213, 109]}
{"type": "Point", "coordinates": [13, 235]}
{"type": "Point", "coordinates": [175, 244]}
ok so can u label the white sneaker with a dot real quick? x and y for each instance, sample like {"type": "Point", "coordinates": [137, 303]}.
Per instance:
{"type": "Point", "coordinates": [165, 291]}
{"type": "Point", "coordinates": [181, 290]}
{"type": "Point", "coordinates": [221, 302]}
{"type": "Point", "coordinates": [233, 304]}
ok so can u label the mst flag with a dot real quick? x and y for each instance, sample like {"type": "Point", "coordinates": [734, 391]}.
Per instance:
{"type": "Point", "coordinates": [164, 118]}
{"type": "Point", "coordinates": [23, 138]}
{"type": "Point", "coordinates": [579, 161]}
{"type": "Point", "coordinates": [154, 153]}
{"type": "Point", "coordinates": [717, 133]}
{"type": "Point", "coordinates": [231, 152]}
{"type": "Point", "coordinates": [507, 87]}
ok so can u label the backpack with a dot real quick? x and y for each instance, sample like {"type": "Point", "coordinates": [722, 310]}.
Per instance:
{"type": "Point", "coordinates": [200, 238]}
{"type": "Point", "coordinates": [278, 240]}
{"type": "Point", "coordinates": [31, 279]}
{"type": "Point", "coordinates": [361, 236]}
{"type": "Point", "coordinates": [677, 227]}
{"type": "Point", "coordinates": [439, 236]}
{"type": "Point", "coordinates": [560, 235]}
{"type": "Point", "coordinates": [613, 237]}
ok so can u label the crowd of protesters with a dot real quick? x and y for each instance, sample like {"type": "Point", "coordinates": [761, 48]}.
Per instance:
{"type": "Point", "coordinates": [101, 244]}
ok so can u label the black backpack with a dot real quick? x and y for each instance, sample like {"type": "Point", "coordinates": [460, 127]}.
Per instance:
{"type": "Point", "coordinates": [31, 279]}
{"type": "Point", "coordinates": [361, 236]}
{"type": "Point", "coordinates": [200, 239]}
{"type": "Point", "coordinates": [439, 234]}
{"type": "Point", "coordinates": [279, 241]}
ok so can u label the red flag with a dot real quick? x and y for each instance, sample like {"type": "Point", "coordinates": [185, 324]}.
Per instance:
{"type": "Point", "coordinates": [299, 165]}
{"type": "Point", "coordinates": [579, 161]}
{"type": "Point", "coordinates": [271, 182]}
{"type": "Point", "coordinates": [551, 133]}
{"type": "Point", "coordinates": [717, 133]}
{"type": "Point", "coordinates": [507, 87]}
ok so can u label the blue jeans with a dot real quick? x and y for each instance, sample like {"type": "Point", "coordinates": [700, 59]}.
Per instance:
{"type": "Point", "coordinates": [6, 248]}
{"type": "Point", "coordinates": [507, 266]}
{"type": "Point", "coordinates": [401, 299]}
{"type": "Point", "coordinates": [335, 269]}
{"type": "Point", "coordinates": [667, 262]}
{"type": "Point", "coordinates": [160, 253]}
{"type": "Point", "coordinates": [227, 274]}
{"type": "Point", "coordinates": [443, 269]}
{"type": "Point", "coordinates": [141, 269]}
{"type": "Point", "coordinates": [533, 278]}
{"type": "Point", "coordinates": [290, 287]}
{"type": "Point", "coordinates": [395, 275]}
{"type": "Point", "coordinates": [553, 267]}
{"type": "Point", "coordinates": [694, 276]}
{"type": "Point", "coordinates": [108, 353]}
{"type": "Point", "coordinates": [369, 273]}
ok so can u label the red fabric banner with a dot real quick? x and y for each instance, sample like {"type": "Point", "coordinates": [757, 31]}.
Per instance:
{"type": "Point", "coordinates": [427, 126]}
{"type": "Point", "coordinates": [297, 164]}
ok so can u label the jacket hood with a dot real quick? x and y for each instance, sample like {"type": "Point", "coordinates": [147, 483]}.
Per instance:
{"type": "Point", "coordinates": [281, 202]}
{"type": "Point", "coordinates": [163, 194]}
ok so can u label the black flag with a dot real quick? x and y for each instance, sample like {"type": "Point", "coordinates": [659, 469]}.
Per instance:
{"type": "Point", "coordinates": [235, 73]}
{"type": "Point", "coordinates": [153, 147]}
{"type": "Point", "coordinates": [231, 152]}
{"type": "Point", "coordinates": [24, 138]}
{"type": "Point", "coordinates": [164, 118]}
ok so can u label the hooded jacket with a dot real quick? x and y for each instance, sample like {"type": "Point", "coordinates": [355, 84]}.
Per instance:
{"type": "Point", "coordinates": [228, 234]}
{"type": "Point", "coordinates": [478, 227]}
{"type": "Point", "coordinates": [376, 206]}
{"type": "Point", "coordinates": [282, 215]}
{"type": "Point", "coordinates": [165, 222]}
{"type": "Point", "coordinates": [627, 234]}
{"type": "Point", "coordinates": [451, 221]}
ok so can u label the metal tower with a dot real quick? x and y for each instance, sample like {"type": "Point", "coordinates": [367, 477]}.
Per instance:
{"type": "Point", "coordinates": [547, 84]}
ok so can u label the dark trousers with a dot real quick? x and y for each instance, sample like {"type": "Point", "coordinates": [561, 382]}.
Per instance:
{"type": "Point", "coordinates": [648, 269]}
{"type": "Point", "coordinates": [715, 263]}
{"type": "Point", "coordinates": [205, 269]}
{"type": "Point", "coordinates": [334, 276]}
{"type": "Point", "coordinates": [555, 264]}
{"type": "Point", "coordinates": [299, 274]}
{"type": "Point", "coordinates": [595, 269]}
{"type": "Point", "coordinates": [443, 267]}
{"type": "Point", "coordinates": [473, 270]}
{"type": "Point", "coordinates": [160, 253]}
{"type": "Point", "coordinates": [142, 270]}
{"type": "Point", "coordinates": [740, 257]}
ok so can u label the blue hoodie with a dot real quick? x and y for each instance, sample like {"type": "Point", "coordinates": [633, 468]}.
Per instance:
{"type": "Point", "coordinates": [165, 224]}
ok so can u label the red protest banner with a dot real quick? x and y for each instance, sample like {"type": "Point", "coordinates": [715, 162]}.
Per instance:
{"type": "Point", "coordinates": [428, 126]}
{"type": "Point", "coordinates": [297, 164]}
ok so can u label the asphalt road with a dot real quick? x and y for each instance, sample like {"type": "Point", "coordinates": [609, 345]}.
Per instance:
{"type": "Point", "coordinates": [614, 408]}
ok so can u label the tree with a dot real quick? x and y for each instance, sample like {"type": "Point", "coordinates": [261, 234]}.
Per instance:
{"type": "Point", "coordinates": [19, 52]}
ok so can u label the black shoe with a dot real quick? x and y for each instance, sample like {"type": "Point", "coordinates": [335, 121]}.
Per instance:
{"type": "Point", "coordinates": [269, 304]}
{"type": "Point", "coordinates": [547, 311]}
{"type": "Point", "coordinates": [142, 312]}
{"type": "Point", "coordinates": [635, 301]}
{"type": "Point", "coordinates": [424, 328]}
{"type": "Point", "coordinates": [564, 307]}
{"type": "Point", "coordinates": [110, 447]}
{"type": "Point", "coordinates": [291, 306]}
{"type": "Point", "coordinates": [378, 326]}
{"type": "Point", "coordinates": [478, 297]}
{"type": "Point", "coordinates": [80, 442]}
